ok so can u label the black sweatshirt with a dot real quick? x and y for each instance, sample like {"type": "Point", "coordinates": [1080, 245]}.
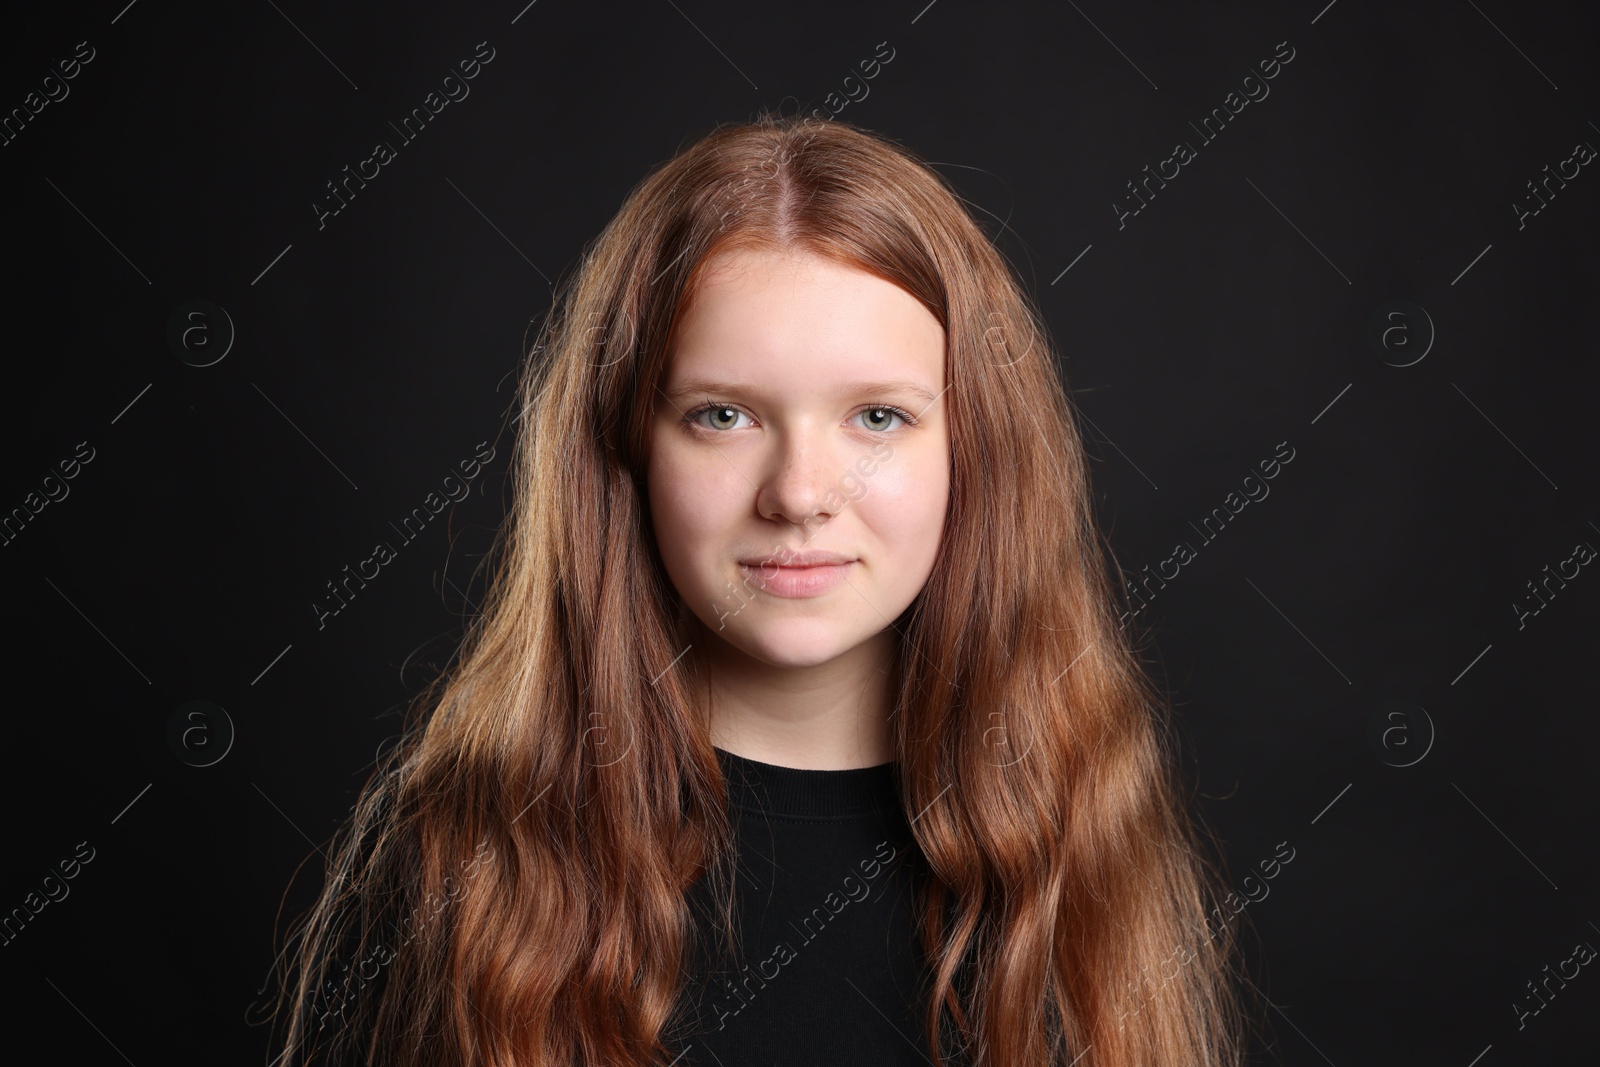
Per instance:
{"type": "Point", "coordinates": [830, 969]}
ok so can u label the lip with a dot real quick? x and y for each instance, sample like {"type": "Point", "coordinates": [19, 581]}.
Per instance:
{"type": "Point", "coordinates": [794, 581]}
{"type": "Point", "coordinates": [797, 559]}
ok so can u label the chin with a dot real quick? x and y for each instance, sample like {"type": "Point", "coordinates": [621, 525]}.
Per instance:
{"type": "Point", "coordinates": [791, 642]}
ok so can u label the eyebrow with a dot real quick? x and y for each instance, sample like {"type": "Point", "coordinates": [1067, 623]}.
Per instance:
{"type": "Point", "coordinates": [710, 387]}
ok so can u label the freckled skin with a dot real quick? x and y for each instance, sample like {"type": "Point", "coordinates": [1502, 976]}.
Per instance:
{"type": "Point", "coordinates": [780, 461]}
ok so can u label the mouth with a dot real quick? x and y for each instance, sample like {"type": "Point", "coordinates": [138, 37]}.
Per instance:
{"type": "Point", "coordinates": [797, 560]}
{"type": "Point", "coordinates": [796, 580]}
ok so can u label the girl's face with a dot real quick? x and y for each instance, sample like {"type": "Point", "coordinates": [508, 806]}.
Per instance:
{"type": "Point", "coordinates": [802, 415]}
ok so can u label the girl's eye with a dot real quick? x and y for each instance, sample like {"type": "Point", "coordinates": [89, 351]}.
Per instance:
{"type": "Point", "coordinates": [720, 413]}
{"type": "Point", "coordinates": [884, 413]}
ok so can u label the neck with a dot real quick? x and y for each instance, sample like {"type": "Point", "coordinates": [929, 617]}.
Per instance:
{"type": "Point", "coordinates": [825, 716]}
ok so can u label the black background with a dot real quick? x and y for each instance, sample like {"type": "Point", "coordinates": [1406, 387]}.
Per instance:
{"type": "Point", "coordinates": [1232, 313]}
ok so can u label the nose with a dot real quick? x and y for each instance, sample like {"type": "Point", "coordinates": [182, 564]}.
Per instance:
{"type": "Point", "coordinates": [800, 484]}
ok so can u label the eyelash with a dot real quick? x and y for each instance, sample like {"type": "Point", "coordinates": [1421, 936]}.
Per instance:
{"type": "Point", "coordinates": [692, 418]}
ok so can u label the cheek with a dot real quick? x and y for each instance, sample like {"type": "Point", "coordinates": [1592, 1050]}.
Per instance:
{"type": "Point", "coordinates": [905, 506]}
{"type": "Point", "coordinates": [691, 507]}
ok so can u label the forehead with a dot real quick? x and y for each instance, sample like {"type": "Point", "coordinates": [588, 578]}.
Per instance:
{"type": "Point", "coordinates": [803, 312]}
{"type": "Point", "coordinates": [759, 275]}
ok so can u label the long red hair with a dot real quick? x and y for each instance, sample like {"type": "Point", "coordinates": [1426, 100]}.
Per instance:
{"type": "Point", "coordinates": [510, 889]}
